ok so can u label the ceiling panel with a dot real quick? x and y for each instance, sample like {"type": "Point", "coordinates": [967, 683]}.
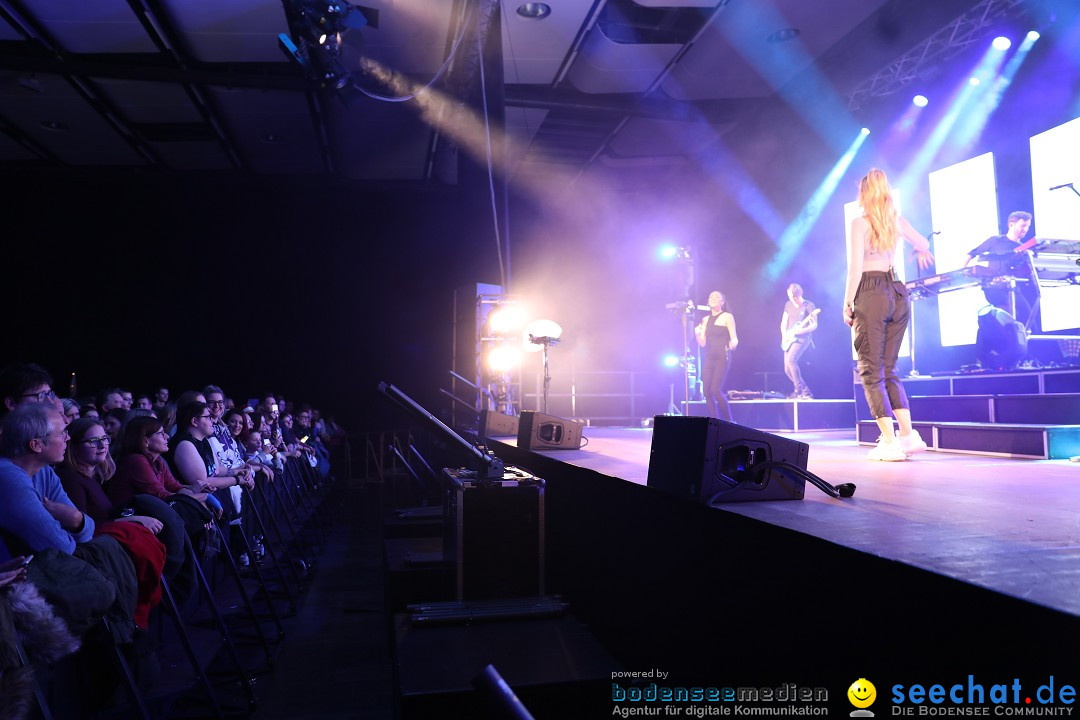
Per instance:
{"type": "Point", "coordinates": [534, 50]}
{"type": "Point", "coordinates": [412, 37]}
{"type": "Point", "coordinates": [734, 57]}
{"type": "Point", "coordinates": [87, 139]}
{"type": "Point", "coordinates": [148, 102]}
{"type": "Point", "coordinates": [7, 32]}
{"type": "Point", "coordinates": [100, 26]}
{"type": "Point", "coordinates": [233, 31]}
{"type": "Point", "coordinates": [606, 66]}
{"type": "Point", "coordinates": [273, 130]}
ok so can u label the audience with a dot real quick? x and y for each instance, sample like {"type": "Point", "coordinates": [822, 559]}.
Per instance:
{"type": "Point", "coordinates": [120, 524]}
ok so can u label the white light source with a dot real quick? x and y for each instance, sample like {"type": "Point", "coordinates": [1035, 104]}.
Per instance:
{"type": "Point", "coordinates": [865, 131]}
{"type": "Point", "coordinates": [1002, 43]}
{"type": "Point", "coordinates": [539, 329]}
{"type": "Point", "coordinates": [920, 101]}
{"type": "Point", "coordinates": [503, 358]}
{"type": "Point", "coordinates": [506, 318]}
{"type": "Point", "coordinates": [1033, 35]}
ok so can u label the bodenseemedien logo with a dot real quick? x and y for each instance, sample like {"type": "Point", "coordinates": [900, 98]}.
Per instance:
{"type": "Point", "coordinates": [862, 695]}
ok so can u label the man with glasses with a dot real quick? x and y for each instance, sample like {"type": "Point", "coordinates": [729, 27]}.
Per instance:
{"type": "Point", "coordinates": [34, 509]}
{"type": "Point", "coordinates": [26, 383]}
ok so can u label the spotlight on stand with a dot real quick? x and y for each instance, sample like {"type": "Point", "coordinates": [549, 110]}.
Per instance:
{"type": "Point", "coordinates": [314, 39]}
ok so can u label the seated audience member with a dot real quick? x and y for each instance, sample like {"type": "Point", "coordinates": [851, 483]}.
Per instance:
{"type": "Point", "coordinates": [129, 398]}
{"type": "Point", "coordinates": [142, 402]}
{"type": "Point", "coordinates": [86, 464]}
{"type": "Point", "coordinates": [33, 505]}
{"type": "Point", "coordinates": [109, 399]}
{"type": "Point", "coordinates": [237, 426]}
{"type": "Point", "coordinates": [71, 409]}
{"type": "Point", "coordinates": [38, 517]}
{"type": "Point", "coordinates": [192, 457]}
{"type": "Point", "coordinates": [113, 420]}
{"type": "Point", "coordinates": [128, 417]}
{"type": "Point", "coordinates": [167, 415]}
{"type": "Point", "coordinates": [26, 383]}
{"type": "Point", "coordinates": [86, 468]}
{"type": "Point", "coordinates": [161, 397]}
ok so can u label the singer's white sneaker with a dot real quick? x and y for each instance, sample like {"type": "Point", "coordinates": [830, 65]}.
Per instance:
{"type": "Point", "coordinates": [912, 443]}
{"type": "Point", "coordinates": [887, 451]}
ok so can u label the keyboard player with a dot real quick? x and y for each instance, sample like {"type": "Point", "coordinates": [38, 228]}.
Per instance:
{"type": "Point", "coordinates": [1000, 253]}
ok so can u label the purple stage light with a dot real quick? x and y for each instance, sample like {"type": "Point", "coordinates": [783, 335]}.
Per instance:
{"type": "Point", "coordinates": [667, 252]}
{"type": "Point", "coordinates": [671, 361]}
{"type": "Point", "coordinates": [1002, 43]}
{"type": "Point", "coordinates": [920, 101]}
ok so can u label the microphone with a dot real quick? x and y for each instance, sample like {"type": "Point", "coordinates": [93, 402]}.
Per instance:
{"type": "Point", "coordinates": [1058, 187]}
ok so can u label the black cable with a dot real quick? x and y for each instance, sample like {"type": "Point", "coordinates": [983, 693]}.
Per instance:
{"type": "Point", "coordinates": [754, 475]}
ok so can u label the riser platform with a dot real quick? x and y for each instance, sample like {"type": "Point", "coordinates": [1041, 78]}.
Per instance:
{"type": "Point", "coordinates": [788, 415]}
{"type": "Point", "coordinates": [1050, 409]}
{"type": "Point", "coordinates": [1038, 442]}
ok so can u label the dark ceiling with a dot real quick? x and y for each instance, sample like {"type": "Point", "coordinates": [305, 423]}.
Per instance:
{"type": "Point", "coordinates": [192, 86]}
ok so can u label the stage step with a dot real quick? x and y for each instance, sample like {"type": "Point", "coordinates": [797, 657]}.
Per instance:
{"type": "Point", "coordinates": [1056, 409]}
{"type": "Point", "coordinates": [1040, 442]}
{"type": "Point", "coordinates": [787, 415]}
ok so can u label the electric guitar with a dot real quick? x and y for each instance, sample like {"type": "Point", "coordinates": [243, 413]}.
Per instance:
{"type": "Point", "coordinates": [789, 334]}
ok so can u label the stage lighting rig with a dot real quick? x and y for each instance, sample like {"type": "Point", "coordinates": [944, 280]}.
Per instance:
{"type": "Point", "coordinates": [314, 39]}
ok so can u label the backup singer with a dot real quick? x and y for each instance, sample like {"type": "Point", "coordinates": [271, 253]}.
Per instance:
{"type": "Point", "coordinates": [797, 326]}
{"type": "Point", "coordinates": [876, 306]}
{"type": "Point", "coordinates": [716, 333]}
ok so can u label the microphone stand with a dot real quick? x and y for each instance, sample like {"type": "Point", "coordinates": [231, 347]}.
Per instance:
{"type": "Point", "coordinates": [546, 342]}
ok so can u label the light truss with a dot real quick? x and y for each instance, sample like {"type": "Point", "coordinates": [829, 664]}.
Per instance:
{"type": "Point", "coordinates": [948, 42]}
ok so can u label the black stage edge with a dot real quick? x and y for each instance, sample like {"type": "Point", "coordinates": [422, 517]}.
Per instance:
{"type": "Point", "coordinates": [715, 597]}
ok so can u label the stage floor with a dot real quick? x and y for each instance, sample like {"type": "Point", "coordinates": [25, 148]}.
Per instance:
{"type": "Point", "coordinates": [1008, 525]}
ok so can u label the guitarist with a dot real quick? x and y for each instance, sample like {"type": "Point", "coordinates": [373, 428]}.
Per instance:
{"type": "Point", "coordinates": [797, 326]}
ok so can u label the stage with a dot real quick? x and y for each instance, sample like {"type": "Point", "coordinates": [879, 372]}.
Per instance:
{"type": "Point", "coordinates": [939, 540]}
{"type": "Point", "coordinates": [1007, 525]}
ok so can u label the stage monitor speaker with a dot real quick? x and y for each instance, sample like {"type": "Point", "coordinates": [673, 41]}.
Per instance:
{"type": "Point", "coordinates": [706, 459]}
{"type": "Point", "coordinates": [496, 424]}
{"type": "Point", "coordinates": [537, 431]}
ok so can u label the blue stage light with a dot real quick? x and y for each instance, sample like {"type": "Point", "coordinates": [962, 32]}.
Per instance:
{"type": "Point", "coordinates": [973, 81]}
{"type": "Point", "coordinates": [920, 101]}
{"type": "Point", "coordinates": [865, 131]}
{"type": "Point", "coordinates": [667, 252]}
{"type": "Point", "coordinates": [671, 361]}
{"type": "Point", "coordinates": [1002, 43]}
{"type": "Point", "coordinates": [1033, 35]}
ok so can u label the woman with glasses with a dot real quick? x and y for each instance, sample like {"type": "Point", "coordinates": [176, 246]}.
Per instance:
{"type": "Point", "coordinates": [86, 465]}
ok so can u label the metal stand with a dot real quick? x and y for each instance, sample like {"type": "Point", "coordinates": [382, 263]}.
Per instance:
{"type": "Point", "coordinates": [545, 342]}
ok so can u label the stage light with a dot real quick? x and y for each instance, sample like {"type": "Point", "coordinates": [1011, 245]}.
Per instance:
{"type": "Point", "coordinates": [865, 131]}
{"type": "Point", "coordinates": [974, 81]}
{"type": "Point", "coordinates": [671, 361]}
{"type": "Point", "coordinates": [1002, 43]}
{"type": "Point", "coordinates": [1033, 35]}
{"type": "Point", "coordinates": [503, 358]}
{"type": "Point", "coordinates": [920, 101]}
{"type": "Point", "coordinates": [507, 318]}
{"type": "Point", "coordinates": [667, 252]}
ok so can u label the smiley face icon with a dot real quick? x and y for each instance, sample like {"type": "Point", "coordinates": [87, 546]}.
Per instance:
{"type": "Point", "coordinates": [862, 693]}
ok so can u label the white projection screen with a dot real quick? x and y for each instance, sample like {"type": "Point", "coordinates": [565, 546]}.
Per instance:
{"type": "Point", "coordinates": [963, 206]}
{"type": "Point", "coordinates": [1055, 160]}
{"type": "Point", "coordinates": [851, 211]}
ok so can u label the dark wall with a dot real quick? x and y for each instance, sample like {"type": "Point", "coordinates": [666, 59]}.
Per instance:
{"type": "Point", "coordinates": [313, 288]}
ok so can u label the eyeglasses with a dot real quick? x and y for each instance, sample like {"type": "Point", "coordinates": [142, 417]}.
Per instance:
{"type": "Point", "coordinates": [216, 403]}
{"type": "Point", "coordinates": [206, 417]}
{"type": "Point", "coordinates": [43, 396]}
{"type": "Point", "coordinates": [63, 434]}
{"type": "Point", "coordinates": [98, 442]}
